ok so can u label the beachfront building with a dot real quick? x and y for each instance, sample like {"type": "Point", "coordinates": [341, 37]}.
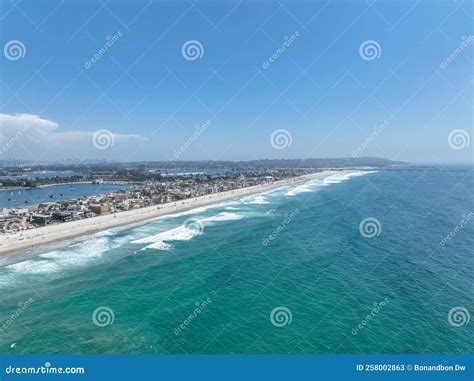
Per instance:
{"type": "Point", "coordinates": [100, 208]}
{"type": "Point", "coordinates": [42, 219]}
{"type": "Point", "coordinates": [161, 190]}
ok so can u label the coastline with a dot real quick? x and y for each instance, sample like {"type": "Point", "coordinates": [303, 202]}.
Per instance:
{"type": "Point", "coordinates": [28, 239]}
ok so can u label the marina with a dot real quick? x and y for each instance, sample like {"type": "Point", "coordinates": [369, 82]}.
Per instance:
{"type": "Point", "coordinates": [24, 197]}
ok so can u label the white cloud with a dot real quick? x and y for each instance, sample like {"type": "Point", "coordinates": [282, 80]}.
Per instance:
{"type": "Point", "coordinates": [26, 136]}
{"type": "Point", "coordinates": [11, 124]}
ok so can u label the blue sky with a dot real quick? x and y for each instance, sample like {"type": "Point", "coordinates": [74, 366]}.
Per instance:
{"type": "Point", "coordinates": [326, 93]}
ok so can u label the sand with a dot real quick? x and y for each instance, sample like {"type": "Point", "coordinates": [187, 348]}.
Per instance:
{"type": "Point", "coordinates": [10, 243]}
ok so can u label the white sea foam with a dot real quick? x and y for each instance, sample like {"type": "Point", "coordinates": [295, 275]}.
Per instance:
{"type": "Point", "coordinates": [340, 177]}
{"type": "Point", "coordinates": [259, 200]}
{"type": "Point", "coordinates": [34, 267]}
{"type": "Point", "coordinates": [76, 255]}
{"type": "Point", "coordinates": [199, 210]}
{"type": "Point", "coordinates": [299, 189]}
{"type": "Point", "coordinates": [224, 216]}
{"type": "Point", "coordinates": [53, 254]}
{"type": "Point", "coordinates": [160, 245]}
{"type": "Point", "coordinates": [180, 233]}
{"type": "Point", "coordinates": [193, 211]}
{"type": "Point", "coordinates": [104, 233]}
{"type": "Point", "coordinates": [196, 210]}
{"type": "Point", "coordinates": [157, 241]}
{"type": "Point", "coordinates": [313, 185]}
{"type": "Point", "coordinates": [72, 256]}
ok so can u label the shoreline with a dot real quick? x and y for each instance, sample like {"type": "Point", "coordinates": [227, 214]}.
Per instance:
{"type": "Point", "coordinates": [28, 239]}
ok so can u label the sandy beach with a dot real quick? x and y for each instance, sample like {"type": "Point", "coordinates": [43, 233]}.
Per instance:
{"type": "Point", "coordinates": [11, 243]}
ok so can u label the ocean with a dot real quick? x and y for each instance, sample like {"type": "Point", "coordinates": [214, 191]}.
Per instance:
{"type": "Point", "coordinates": [362, 262]}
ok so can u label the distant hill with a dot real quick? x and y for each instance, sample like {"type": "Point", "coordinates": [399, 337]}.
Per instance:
{"type": "Point", "coordinates": [345, 162]}
{"type": "Point", "coordinates": [282, 163]}
{"type": "Point", "coordinates": [325, 163]}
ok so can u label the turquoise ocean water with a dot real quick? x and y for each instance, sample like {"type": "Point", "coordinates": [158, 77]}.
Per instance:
{"type": "Point", "coordinates": [372, 262]}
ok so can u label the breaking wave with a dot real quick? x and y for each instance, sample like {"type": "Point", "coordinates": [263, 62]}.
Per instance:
{"type": "Point", "coordinates": [340, 177]}
{"type": "Point", "coordinates": [259, 200]}
{"type": "Point", "coordinates": [76, 255]}
{"type": "Point", "coordinates": [160, 245]}
{"type": "Point", "coordinates": [299, 189]}
{"type": "Point", "coordinates": [224, 216]}
{"type": "Point", "coordinates": [183, 232]}
{"type": "Point", "coordinates": [180, 233]}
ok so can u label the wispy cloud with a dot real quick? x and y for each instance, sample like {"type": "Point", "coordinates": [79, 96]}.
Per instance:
{"type": "Point", "coordinates": [27, 136]}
